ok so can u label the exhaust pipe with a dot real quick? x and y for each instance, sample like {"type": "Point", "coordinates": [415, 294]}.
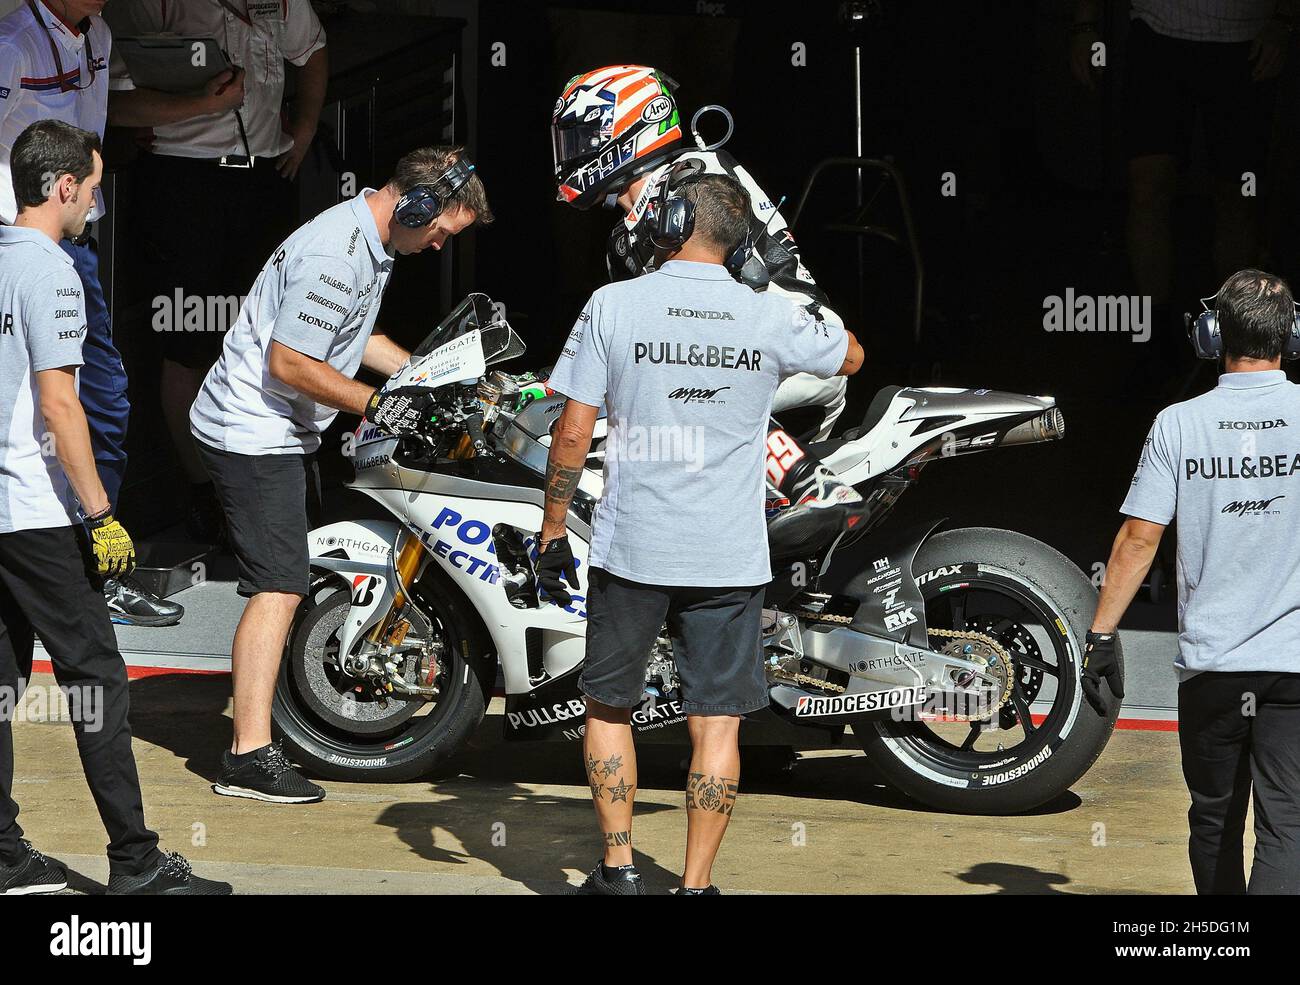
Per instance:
{"type": "Point", "coordinates": [1047, 426]}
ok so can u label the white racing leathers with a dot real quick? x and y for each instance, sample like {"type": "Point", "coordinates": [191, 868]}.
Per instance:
{"type": "Point", "coordinates": [774, 265]}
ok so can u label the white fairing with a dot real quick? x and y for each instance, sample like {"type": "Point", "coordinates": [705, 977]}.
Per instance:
{"type": "Point", "coordinates": [896, 438]}
{"type": "Point", "coordinates": [360, 554]}
{"type": "Point", "coordinates": [454, 518]}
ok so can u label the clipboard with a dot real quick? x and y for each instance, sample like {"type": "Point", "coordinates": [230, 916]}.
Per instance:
{"type": "Point", "coordinates": [167, 62]}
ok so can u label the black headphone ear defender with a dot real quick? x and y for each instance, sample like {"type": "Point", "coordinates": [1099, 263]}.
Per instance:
{"type": "Point", "coordinates": [673, 220]}
{"type": "Point", "coordinates": [1208, 341]}
{"type": "Point", "coordinates": [421, 204]}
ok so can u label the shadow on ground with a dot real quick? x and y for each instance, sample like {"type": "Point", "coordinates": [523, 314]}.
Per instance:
{"type": "Point", "coordinates": [186, 714]}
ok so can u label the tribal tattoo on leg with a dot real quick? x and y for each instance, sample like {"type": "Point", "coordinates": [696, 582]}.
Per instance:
{"type": "Point", "coordinates": [614, 839]}
{"type": "Point", "coordinates": [711, 793]}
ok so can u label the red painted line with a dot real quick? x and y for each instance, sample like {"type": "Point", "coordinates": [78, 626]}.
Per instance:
{"type": "Point", "coordinates": [1133, 724]}
{"type": "Point", "coordinates": [132, 672]}
{"type": "Point", "coordinates": [1147, 725]}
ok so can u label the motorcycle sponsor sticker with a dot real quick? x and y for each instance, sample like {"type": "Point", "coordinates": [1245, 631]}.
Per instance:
{"type": "Point", "coordinates": [898, 620]}
{"type": "Point", "coordinates": [363, 464]}
{"type": "Point", "coordinates": [553, 715]}
{"type": "Point", "coordinates": [909, 659]}
{"type": "Point", "coordinates": [459, 359]}
{"type": "Point", "coordinates": [462, 541]}
{"type": "Point", "coordinates": [818, 706]}
{"type": "Point", "coordinates": [1006, 776]}
{"type": "Point", "coordinates": [354, 545]}
{"type": "Point", "coordinates": [657, 713]}
{"type": "Point", "coordinates": [364, 589]}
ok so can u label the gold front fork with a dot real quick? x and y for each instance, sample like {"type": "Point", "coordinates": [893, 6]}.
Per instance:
{"type": "Point", "coordinates": [410, 553]}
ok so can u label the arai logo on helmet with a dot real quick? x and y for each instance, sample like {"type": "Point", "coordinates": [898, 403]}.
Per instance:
{"type": "Point", "coordinates": [659, 108]}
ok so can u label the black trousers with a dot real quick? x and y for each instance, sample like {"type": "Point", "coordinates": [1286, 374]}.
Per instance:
{"type": "Point", "coordinates": [206, 232]}
{"type": "Point", "coordinates": [46, 590]}
{"type": "Point", "coordinates": [1241, 733]}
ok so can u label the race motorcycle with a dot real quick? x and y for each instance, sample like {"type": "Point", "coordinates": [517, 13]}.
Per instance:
{"type": "Point", "coordinates": [953, 656]}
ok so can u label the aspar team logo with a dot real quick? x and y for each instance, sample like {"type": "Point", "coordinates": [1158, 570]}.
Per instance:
{"type": "Point", "coordinates": [858, 704]}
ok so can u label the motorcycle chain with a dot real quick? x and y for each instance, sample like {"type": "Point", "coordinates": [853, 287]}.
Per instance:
{"type": "Point", "coordinates": [794, 677]}
{"type": "Point", "coordinates": [998, 649]}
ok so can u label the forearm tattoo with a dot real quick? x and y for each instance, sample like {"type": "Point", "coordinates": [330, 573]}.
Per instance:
{"type": "Point", "coordinates": [705, 792]}
{"type": "Point", "coordinates": [561, 483]}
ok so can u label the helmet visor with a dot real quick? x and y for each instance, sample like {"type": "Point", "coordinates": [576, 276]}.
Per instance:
{"type": "Point", "coordinates": [569, 143]}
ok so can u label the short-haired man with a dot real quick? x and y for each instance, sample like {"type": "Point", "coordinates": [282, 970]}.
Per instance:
{"type": "Point", "coordinates": [678, 542]}
{"type": "Point", "coordinates": [48, 485]}
{"type": "Point", "coordinates": [285, 372]}
{"type": "Point", "coordinates": [1226, 465]}
{"type": "Point", "coordinates": [57, 62]}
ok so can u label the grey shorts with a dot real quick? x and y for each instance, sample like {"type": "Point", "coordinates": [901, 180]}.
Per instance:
{"type": "Point", "coordinates": [267, 501]}
{"type": "Point", "coordinates": [716, 635]}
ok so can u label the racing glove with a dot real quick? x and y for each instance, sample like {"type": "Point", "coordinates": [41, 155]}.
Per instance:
{"type": "Point", "coordinates": [404, 410]}
{"type": "Point", "coordinates": [555, 561]}
{"type": "Point", "coordinates": [112, 546]}
{"type": "Point", "coordinates": [1100, 662]}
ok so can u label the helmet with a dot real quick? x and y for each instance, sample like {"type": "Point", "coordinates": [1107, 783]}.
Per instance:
{"type": "Point", "coordinates": [609, 126]}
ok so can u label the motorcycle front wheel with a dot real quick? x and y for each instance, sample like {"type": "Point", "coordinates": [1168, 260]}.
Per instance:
{"type": "Point", "coordinates": [339, 728]}
{"type": "Point", "coordinates": [1037, 606]}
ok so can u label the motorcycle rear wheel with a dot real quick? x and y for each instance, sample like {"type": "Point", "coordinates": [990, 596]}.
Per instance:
{"type": "Point", "coordinates": [1038, 605]}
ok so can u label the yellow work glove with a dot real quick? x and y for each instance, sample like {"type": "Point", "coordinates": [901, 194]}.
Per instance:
{"type": "Point", "coordinates": [114, 551]}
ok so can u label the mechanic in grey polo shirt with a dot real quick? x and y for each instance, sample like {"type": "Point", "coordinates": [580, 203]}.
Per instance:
{"type": "Point", "coordinates": [1226, 466]}
{"type": "Point", "coordinates": [286, 370]}
{"type": "Point", "coordinates": [687, 361]}
{"type": "Point", "coordinates": [49, 487]}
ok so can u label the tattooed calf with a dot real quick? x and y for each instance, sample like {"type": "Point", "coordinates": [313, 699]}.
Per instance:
{"type": "Point", "coordinates": [711, 793]}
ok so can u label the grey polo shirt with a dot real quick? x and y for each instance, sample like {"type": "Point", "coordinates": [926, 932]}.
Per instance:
{"type": "Point", "coordinates": [318, 294]}
{"type": "Point", "coordinates": [42, 326]}
{"type": "Point", "coordinates": [1226, 466]}
{"type": "Point", "coordinates": [687, 361]}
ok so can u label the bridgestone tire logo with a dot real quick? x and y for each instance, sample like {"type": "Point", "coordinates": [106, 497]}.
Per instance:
{"type": "Point", "coordinates": [1006, 776]}
{"type": "Point", "coordinates": [858, 704]}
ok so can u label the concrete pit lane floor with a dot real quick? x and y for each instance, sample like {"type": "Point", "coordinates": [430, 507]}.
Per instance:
{"type": "Point", "coordinates": [517, 818]}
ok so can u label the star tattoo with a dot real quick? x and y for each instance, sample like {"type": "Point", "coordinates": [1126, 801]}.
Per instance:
{"type": "Point", "coordinates": [619, 791]}
{"type": "Point", "coordinates": [612, 766]}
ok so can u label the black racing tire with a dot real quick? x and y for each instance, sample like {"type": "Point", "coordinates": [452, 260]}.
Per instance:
{"type": "Point", "coordinates": [418, 745]}
{"type": "Point", "coordinates": [1064, 746]}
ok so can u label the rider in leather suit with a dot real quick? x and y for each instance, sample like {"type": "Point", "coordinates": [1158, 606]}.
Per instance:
{"type": "Point", "coordinates": [616, 139]}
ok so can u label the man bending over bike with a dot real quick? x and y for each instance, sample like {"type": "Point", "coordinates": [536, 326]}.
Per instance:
{"type": "Point", "coordinates": [617, 140]}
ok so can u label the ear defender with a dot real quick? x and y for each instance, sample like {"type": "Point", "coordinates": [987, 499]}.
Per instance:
{"type": "Point", "coordinates": [1207, 341]}
{"type": "Point", "coordinates": [421, 204]}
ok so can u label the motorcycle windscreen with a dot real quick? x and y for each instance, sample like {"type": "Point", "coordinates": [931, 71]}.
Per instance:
{"type": "Point", "coordinates": [472, 337]}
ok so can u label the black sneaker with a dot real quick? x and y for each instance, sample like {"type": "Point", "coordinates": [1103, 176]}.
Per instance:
{"type": "Point", "coordinates": [622, 881]}
{"type": "Point", "coordinates": [265, 775]}
{"type": "Point", "coordinates": [172, 876]}
{"type": "Point", "coordinates": [706, 891]}
{"type": "Point", "coordinates": [32, 875]}
{"type": "Point", "coordinates": [129, 604]}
